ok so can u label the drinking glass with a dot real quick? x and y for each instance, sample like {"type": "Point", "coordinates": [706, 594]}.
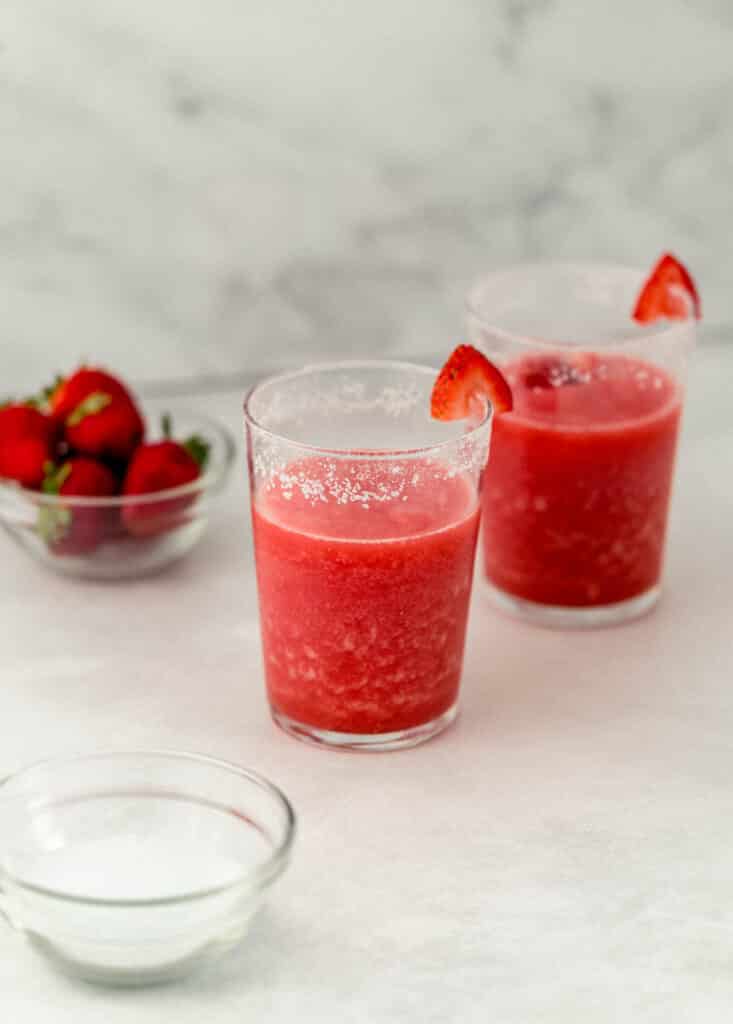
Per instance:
{"type": "Point", "coordinates": [365, 514]}
{"type": "Point", "coordinates": [575, 506]}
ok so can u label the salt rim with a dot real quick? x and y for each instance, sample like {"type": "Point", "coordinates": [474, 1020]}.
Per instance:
{"type": "Point", "coordinates": [391, 400]}
{"type": "Point", "coordinates": [279, 461]}
{"type": "Point", "coordinates": [662, 331]}
{"type": "Point", "coordinates": [348, 488]}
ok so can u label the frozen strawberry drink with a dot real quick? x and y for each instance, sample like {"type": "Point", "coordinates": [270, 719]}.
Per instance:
{"type": "Point", "coordinates": [364, 542]}
{"type": "Point", "coordinates": [575, 505]}
{"type": "Point", "coordinates": [364, 606]}
{"type": "Point", "coordinates": [576, 498]}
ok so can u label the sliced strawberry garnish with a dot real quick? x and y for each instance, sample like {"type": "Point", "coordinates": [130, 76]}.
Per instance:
{"type": "Point", "coordinates": [669, 292]}
{"type": "Point", "coordinates": [468, 372]}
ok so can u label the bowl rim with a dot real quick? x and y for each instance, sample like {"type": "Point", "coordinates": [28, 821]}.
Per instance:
{"type": "Point", "coordinates": [259, 876]}
{"type": "Point", "coordinates": [210, 480]}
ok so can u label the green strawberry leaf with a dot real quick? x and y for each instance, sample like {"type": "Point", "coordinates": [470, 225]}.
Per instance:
{"type": "Point", "coordinates": [50, 390]}
{"type": "Point", "coordinates": [198, 449]}
{"type": "Point", "coordinates": [42, 400]}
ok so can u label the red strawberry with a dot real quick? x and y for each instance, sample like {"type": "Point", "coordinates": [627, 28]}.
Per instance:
{"type": "Point", "coordinates": [468, 372]}
{"type": "Point", "coordinates": [669, 292]}
{"type": "Point", "coordinates": [70, 392]}
{"type": "Point", "coordinates": [71, 529]}
{"type": "Point", "coordinates": [24, 460]}
{"type": "Point", "coordinates": [102, 425]}
{"type": "Point", "coordinates": [98, 413]}
{"type": "Point", "coordinates": [26, 441]}
{"type": "Point", "coordinates": [161, 466]}
{"type": "Point", "coordinates": [20, 420]}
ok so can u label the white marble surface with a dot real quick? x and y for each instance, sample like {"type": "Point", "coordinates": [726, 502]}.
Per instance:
{"type": "Point", "coordinates": [191, 188]}
{"type": "Point", "coordinates": [562, 855]}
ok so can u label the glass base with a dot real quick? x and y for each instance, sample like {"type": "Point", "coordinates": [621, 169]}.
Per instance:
{"type": "Point", "coordinates": [564, 617]}
{"type": "Point", "coordinates": [370, 742]}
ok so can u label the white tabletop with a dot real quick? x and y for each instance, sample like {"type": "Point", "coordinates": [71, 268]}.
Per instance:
{"type": "Point", "coordinates": [562, 854]}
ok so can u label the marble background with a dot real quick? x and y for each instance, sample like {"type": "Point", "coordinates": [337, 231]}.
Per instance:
{"type": "Point", "coordinates": [192, 189]}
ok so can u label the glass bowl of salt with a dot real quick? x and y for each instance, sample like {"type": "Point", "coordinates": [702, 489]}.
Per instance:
{"type": "Point", "coordinates": [135, 868]}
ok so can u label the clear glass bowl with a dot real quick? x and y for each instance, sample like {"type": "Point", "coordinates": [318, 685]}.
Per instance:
{"type": "Point", "coordinates": [118, 537]}
{"type": "Point", "coordinates": [135, 868]}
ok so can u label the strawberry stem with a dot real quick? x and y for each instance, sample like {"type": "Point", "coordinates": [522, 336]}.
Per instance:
{"type": "Point", "coordinates": [53, 523]}
{"type": "Point", "coordinates": [54, 477]}
{"type": "Point", "coordinates": [166, 424]}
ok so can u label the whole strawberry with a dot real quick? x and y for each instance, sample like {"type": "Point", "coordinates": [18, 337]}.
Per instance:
{"type": "Point", "coordinates": [69, 392]}
{"type": "Point", "coordinates": [26, 444]}
{"type": "Point", "coordinates": [98, 414]}
{"type": "Point", "coordinates": [17, 419]}
{"type": "Point", "coordinates": [68, 528]}
{"type": "Point", "coordinates": [161, 466]}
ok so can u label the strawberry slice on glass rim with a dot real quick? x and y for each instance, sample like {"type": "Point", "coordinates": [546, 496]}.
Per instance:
{"type": "Point", "coordinates": [668, 293]}
{"type": "Point", "coordinates": [466, 375]}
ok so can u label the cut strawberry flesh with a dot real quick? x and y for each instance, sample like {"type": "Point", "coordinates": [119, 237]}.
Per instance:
{"type": "Point", "coordinates": [669, 292]}
{"type": "Point", "coordinates": [466, 374]}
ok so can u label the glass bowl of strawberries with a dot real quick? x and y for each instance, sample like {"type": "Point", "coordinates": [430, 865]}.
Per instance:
{"type": "Point", "coordinates": [93, 485]}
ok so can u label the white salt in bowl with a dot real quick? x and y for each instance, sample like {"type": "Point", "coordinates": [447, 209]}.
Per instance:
{"type": "Point", "coordinates": [135, 868]}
